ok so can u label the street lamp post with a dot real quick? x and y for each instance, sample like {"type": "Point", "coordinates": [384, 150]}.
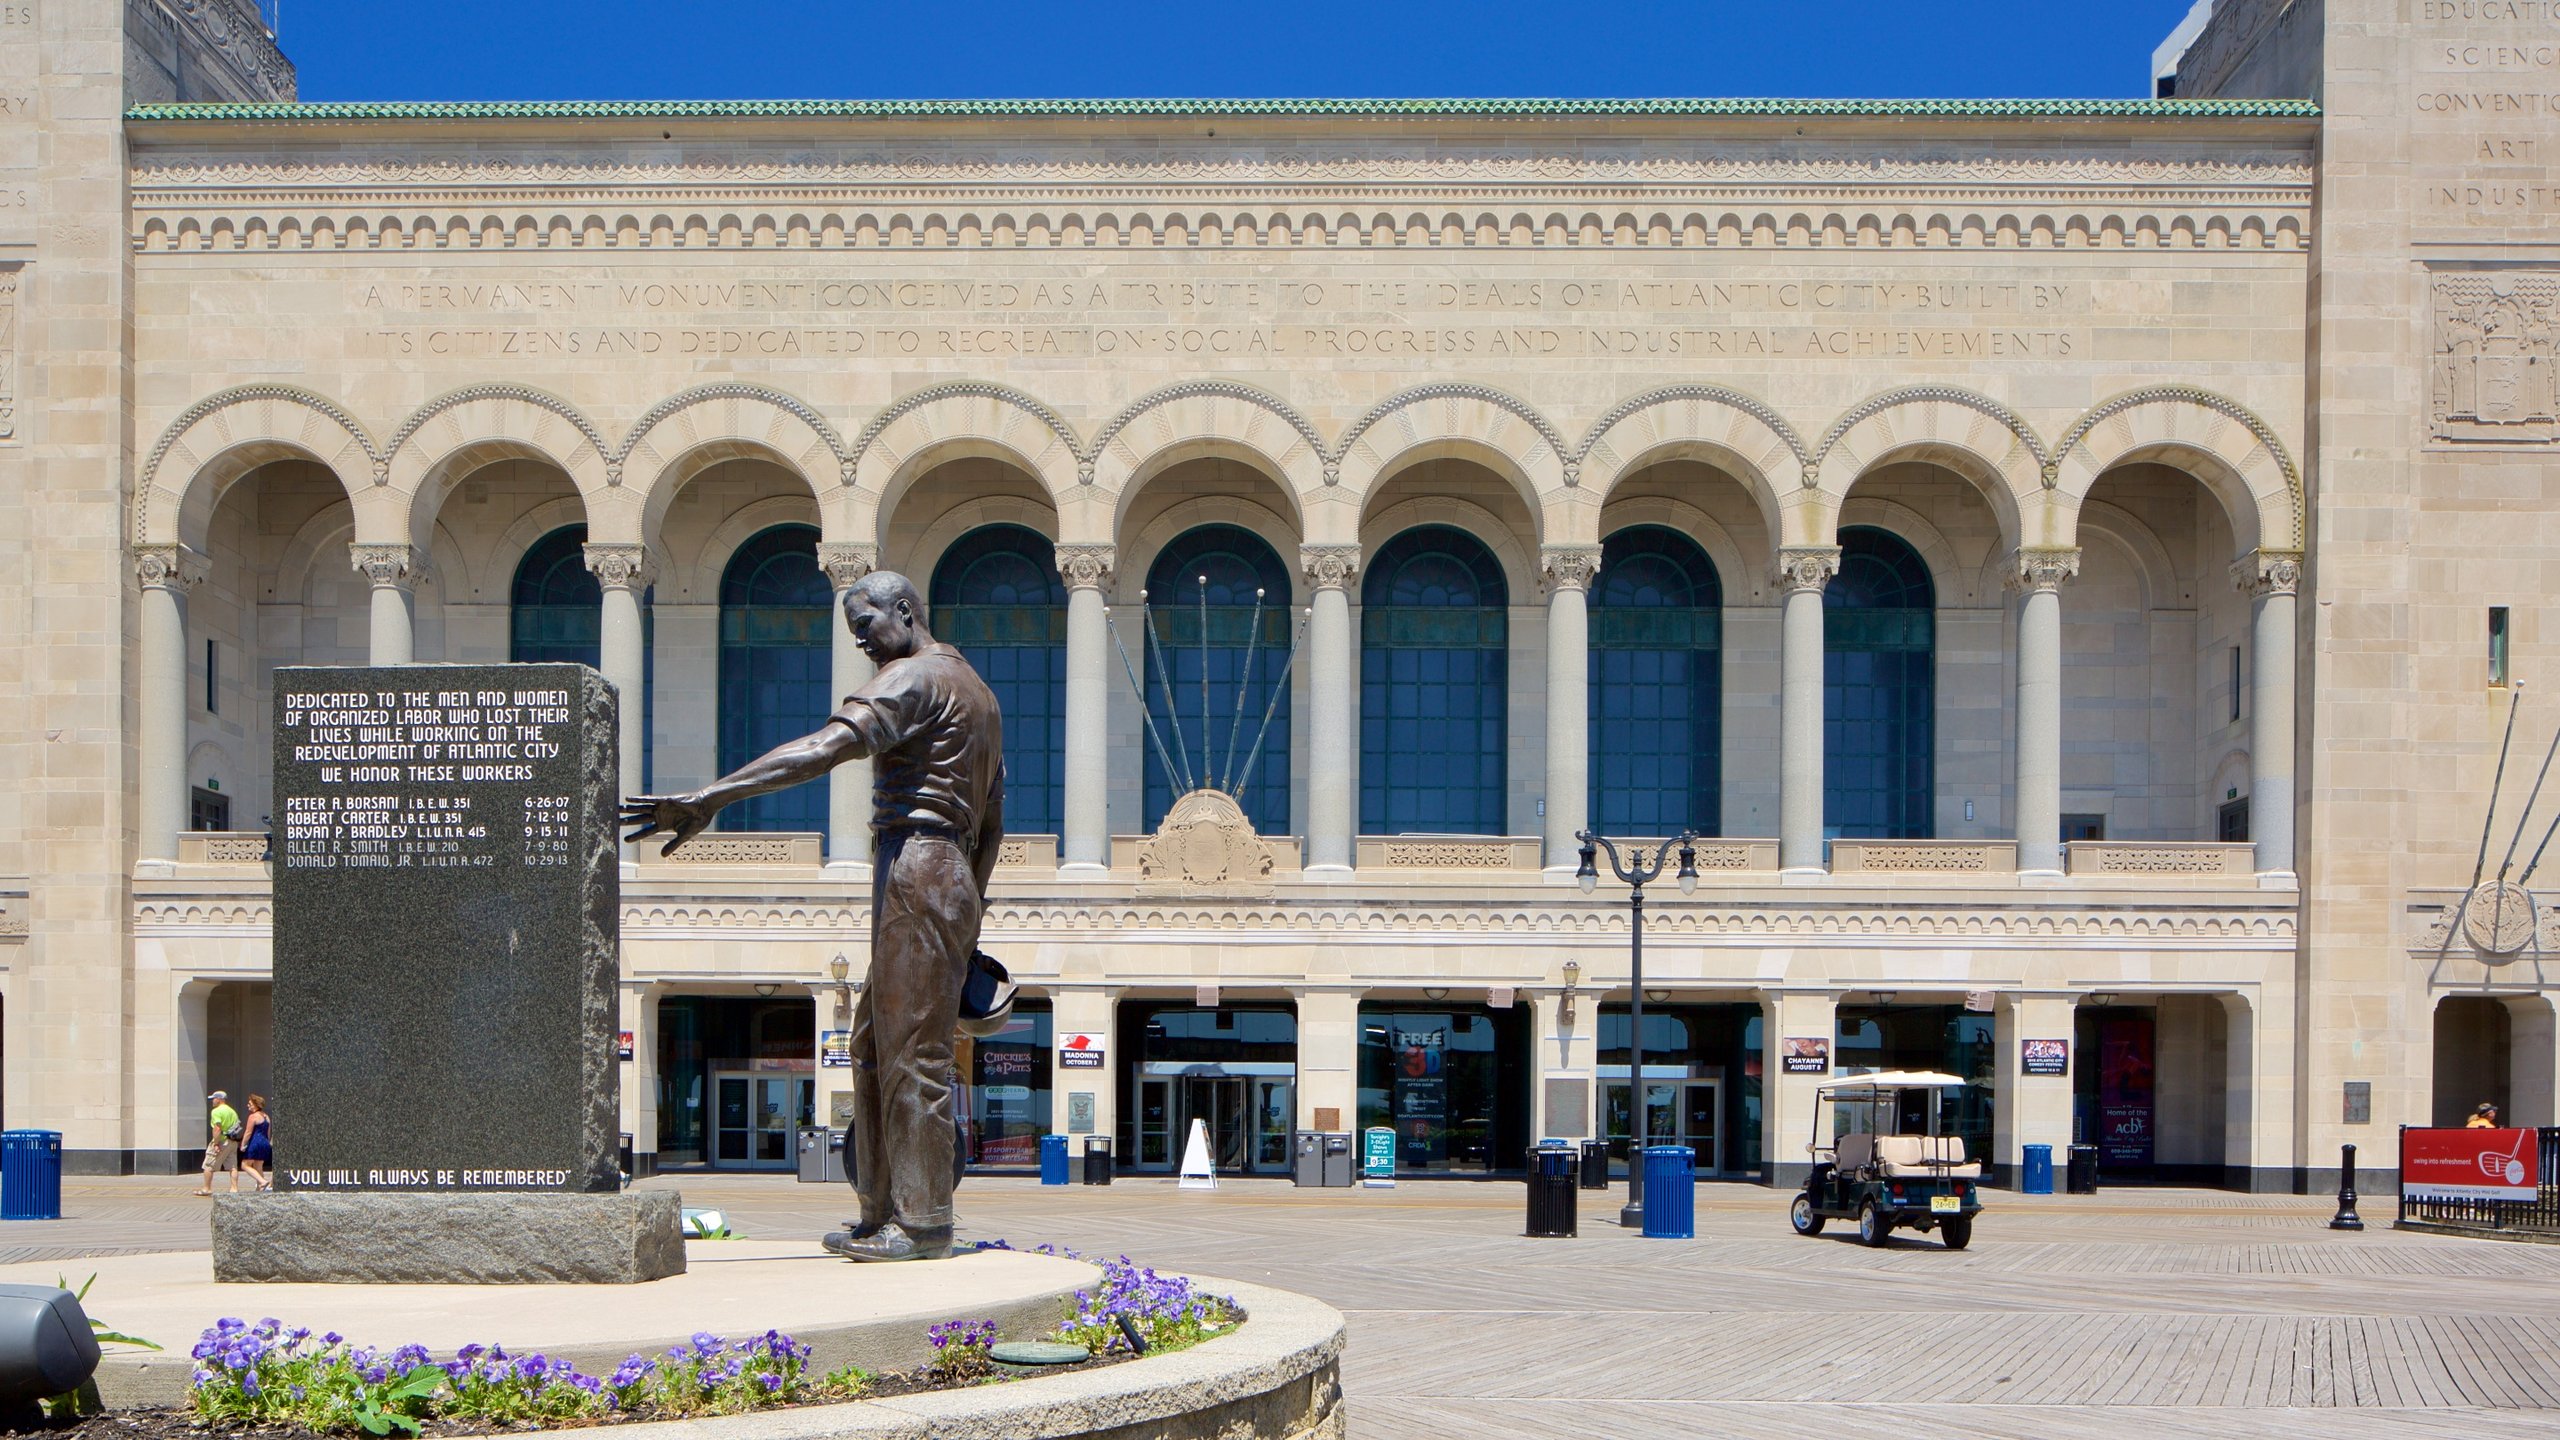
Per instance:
{"type": "Point", "coordinates": [1637, 872]}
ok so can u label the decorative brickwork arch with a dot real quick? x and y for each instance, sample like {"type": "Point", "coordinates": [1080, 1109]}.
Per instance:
{"type": "Point", "coordinates": [999, 418]}
{"type": "Point", "coordinates": [2225, 445]}
{"type": "Point", "coordinates": [1972, 435]}
{"type": "Point", "coordinates": [1730, 430]}
{"type": "Point", "coordinates": [1196, 413]}
{"type": "Point", "coordinates": [1458, 419]}
{"type": "Point", "coordinates": [456, 433]}
{"type": "Point", "coordinates": [217, 440]}
{"type": "Point", "coordinates": [687, 433]}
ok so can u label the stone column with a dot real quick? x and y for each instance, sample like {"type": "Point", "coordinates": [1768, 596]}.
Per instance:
{"type": "Point", "coordinates": [1787, 1109]}
{"type": "Point", "coordinates": [1566, 1053]}
{"type": "Point", "coordinates": [2271, 577]}
{"type": "Point", "coordinates": [1329, 1055]}
{"type": "Point", "coordinates": [1802, 572]}
{"type": "Point", "coordinates": [849, 784]}
{"type": "Point", "coordinates": [2038, 577]}
{"type": "Point", "coordinates": [1085, 847]}
{"type": "Point", "coordinates": [391, 569]}
{"type": "Point", "coordinates": [2030, 1109]}
{"type": "Point", "coordinates": [2533, 1061]}
{"type": "Point", "coordinates": [639, 1015]}
{"type": "Point", "coordinates": [167, 573]}
{"type": "Point", "coordinates": [1568, 571]}
{"type": "Point", "coordinates": [1085, 1010]}
{"type": "Point", "coordinates": [625, 572]}
{"type": "Point", "coordinates": [1332, 741]}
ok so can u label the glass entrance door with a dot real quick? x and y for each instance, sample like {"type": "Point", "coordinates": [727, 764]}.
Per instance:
{"type": "Point", "coordinates": [1217, 1102]}
{"type": "Point", "coordinates": [753, 1117]}
{"type": "Point", "coordinates": [1677, 1112]}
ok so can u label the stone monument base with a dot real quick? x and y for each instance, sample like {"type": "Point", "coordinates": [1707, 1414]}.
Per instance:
{"type": "Point", "coordinates": [374, 1238]}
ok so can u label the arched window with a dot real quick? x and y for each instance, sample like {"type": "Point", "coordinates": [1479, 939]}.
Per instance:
{"type": "Point", "coordinates": [1218, 746]}
{"type": "Point", "coordinates": [996, 596]}
{"type": "Point", "coordinates": [776, 664]}
{"type": "Point", "coordinates": [1879, 690]}
{"type": "Point", "coordinates": [558, 604]}
{"type": "Point", "coordinates": [1657, 686]}
{"type": "Point", "coordinates": [557, 617]}
{"type": "Point", "coordinates": [1432, 692]}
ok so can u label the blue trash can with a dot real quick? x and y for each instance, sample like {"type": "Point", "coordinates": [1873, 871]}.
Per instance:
{"type": "Point", "coordinates": [1053, 1159]}
{"type": "Point", "coordinates": [2036, 1176]}
{"type": "Point", "coordinates": [30, 1175]}
{"type": "Point", "coordinates": [1670, 1192]}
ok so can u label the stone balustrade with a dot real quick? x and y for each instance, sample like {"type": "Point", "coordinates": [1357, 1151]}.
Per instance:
{"type": "Point", "coordinates": [13, 910]}
{"type": "Point", "coordinates": [222, 847]}
{"type": "Point", "coordinates": [1472, 854]}
{"type": "Point", "coordinates": [2152, 859]}
{"type": "Point", "coordinates": [1924, 857]}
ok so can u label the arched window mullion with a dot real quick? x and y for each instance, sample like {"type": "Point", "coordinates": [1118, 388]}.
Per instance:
{"type": "Point", "coordinates": [1657, 686]}
{"type": "Point", "coordinates": [1879, 690]}
{"type": "Point", "coordinates": [777, 662]}
{"type": "Point", "coordinates": [1434, 701]}
{"type": "Point", "coordinates": [1236, 563]}
{"type": "Point", "coordinates": [996, 596]}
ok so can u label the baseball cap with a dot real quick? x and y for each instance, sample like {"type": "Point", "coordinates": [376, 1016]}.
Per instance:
{"type": "Point", "coordinates": [217, 1095]}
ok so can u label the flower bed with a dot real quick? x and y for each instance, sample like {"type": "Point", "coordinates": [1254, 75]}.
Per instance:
{"type": "Point", "coordinates": [270, 1379]}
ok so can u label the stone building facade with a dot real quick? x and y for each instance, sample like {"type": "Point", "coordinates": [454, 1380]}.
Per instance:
{"type": "Point", "coordinates": [2049, 549]}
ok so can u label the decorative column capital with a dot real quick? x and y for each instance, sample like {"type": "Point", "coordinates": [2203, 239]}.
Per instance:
{"type": "Point", "coordinates": [391, 567]}
{"type": "Point", "coordinates": [1329, 567]}
{"type": "Point", "coordinates": [1806, 567]}
{"type": "Point", "coordinates": [622, 567]}
{"type": "Point", "coordinates": [2039, 570]}
{"type": "Point", "coordinates": [1087, 567]}
{"type": "Point", "coordinates": [1568, 567]}
{"type": "Point", "coordinates": [2262, 573]}
{"type": "Point", "coordinates": [168, 567]}
{"type": "Point", "coordinates": [846, 561]}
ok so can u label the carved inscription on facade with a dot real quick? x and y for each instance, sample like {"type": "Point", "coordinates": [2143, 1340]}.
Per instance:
{"type": "Point", "coordinates": [9, 355]}
{"type": "Point", "coordinates": [2493, 377]}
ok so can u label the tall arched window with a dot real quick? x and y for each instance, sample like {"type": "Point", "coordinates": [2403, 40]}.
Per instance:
{"type": "Point", "coordinates": [557, 617]}
{"type": "Point", "coordinates": [1432, 692]}
{"type": "Point", "coordinates": [1879, 690]}
{"type": "Point", "coordinates": [1657, 686]}
{"type": "Point", "coordinates": [996, 595]}
{"type": "Point", "coordinates": [1236, 563]}
{"type": "Point", "coordinates": [776, 664]}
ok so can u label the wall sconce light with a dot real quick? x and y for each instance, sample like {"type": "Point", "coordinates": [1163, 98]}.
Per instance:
{"type": "Point", "coordinates": [767, 989]}
{"type": "Point", "coordinates": [1572, 978]}
{"type": "Point", "coordinates": [2102, 997]}
{"type": "Point", "coordinates": [1883, 997]}
{"type": "Point", "coordinates": [1435, 992]}
{"type": "Point", "coordinates": [1657, 996]}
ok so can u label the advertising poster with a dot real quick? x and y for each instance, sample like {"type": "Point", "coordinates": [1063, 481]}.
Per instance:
{"type": "Point", "coordinates": [2469, 1165]}
{"type": "Point", "coordinates": [835, 1050]}
{"type": "Point", "coordinates": [1421, 1095]}
{"type": "Point", "coordinates": [622, 1045]}
{"type": "Point", "coordinates": [1079, 1052]}
{"type": "Point", "coordinates": [1378, 1156]}
{"type": "Point", "coordinates": [2044, 1057]}
{"type": "Point", "coordinates": [2124, 1093]}
{"type": "Point", "coordinates": [1805, 1055]}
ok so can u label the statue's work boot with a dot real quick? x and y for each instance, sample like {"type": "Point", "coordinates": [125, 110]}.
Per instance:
{"type": "Point", "coordinates": [892, 1242]}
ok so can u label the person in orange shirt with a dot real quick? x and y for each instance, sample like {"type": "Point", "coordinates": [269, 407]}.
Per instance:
{"type": "Point", "coordinates": [2484, 1118]}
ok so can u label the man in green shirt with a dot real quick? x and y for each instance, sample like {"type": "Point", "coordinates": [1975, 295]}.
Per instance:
{"type": "Point", "coordinates": [222, 1150]}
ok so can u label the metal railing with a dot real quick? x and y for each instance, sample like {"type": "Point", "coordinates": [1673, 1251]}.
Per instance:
{"type": "Point", "coordinates": [2541, 1213]}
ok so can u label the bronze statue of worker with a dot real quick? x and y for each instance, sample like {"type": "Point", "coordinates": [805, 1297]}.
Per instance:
{"type": "Point", "coordinates": [932, 729]}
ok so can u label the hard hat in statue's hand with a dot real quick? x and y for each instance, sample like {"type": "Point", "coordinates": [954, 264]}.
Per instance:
{"type": "Point", "coordinates": [986, 997]}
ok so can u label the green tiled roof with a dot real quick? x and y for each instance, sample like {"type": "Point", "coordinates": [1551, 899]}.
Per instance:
{"type": "Point", "coordinates": [1099, 109]}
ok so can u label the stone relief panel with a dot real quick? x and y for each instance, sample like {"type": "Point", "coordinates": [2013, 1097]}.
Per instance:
{"type": "Point", "coordinates": [9, 354]}
{"type": "Point", "coordinates": [2493, 377]}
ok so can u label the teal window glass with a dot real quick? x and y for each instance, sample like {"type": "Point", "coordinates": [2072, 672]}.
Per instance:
{"type": "Point", "coordinates": [1879, 690]}
{"type": "Point", "coordinates": [556, 617]}
{"type": "Point", "coordinates": [1657, 686]}
{"type": "Point", "coordinates": [777, 663]}
{"type": "Point", "coordinates": [1207, 735]}
{"type": "Point", "coordinates": [1432, 686]}
{"type": "Point", "coordinates": [996, 596]}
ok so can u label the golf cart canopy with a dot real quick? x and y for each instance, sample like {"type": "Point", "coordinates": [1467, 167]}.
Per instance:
{"type": "Point", "coordinates": [1897, 1080]}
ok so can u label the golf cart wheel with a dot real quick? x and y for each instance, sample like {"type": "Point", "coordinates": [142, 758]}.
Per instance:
{"type": "Point", "coordinates": [1956, 1231]}
{"type": "Point", "coordinates": [1873, 1227]}
{"type": "Point", "coordinates": [1801, 1215]}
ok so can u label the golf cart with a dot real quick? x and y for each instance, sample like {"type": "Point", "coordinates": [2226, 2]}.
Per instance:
{"type": "Point", "coordinates": [1888, 1166]}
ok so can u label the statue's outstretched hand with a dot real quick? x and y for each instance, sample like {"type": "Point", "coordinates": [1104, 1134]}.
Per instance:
{"type": "Point", "coordinates": [678, 817]}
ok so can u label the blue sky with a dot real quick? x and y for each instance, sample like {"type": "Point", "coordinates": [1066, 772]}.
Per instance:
{"type": "Point", "coordinates": [726, 49]}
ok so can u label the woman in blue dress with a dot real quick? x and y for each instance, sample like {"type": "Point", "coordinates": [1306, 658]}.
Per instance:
{"type": "Point", "coordinates": [257, 1148]}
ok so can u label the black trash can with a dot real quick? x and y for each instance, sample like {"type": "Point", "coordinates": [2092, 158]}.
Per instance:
{"type": "Point", "coordinates": [1595, 1164]}
{"type": "Point", "coordinates": [1097, 1160]}
{"type": "Point", "coordinates": [1553, 1207]}
{"type": "Point", "coordinates": [2082, 1178]}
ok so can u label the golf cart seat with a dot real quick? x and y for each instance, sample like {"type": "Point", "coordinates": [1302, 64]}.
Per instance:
{"type": "Point", "coordinates": [1855, 1153]}
{"type": "Point", "coordinates": [1924, 1155]}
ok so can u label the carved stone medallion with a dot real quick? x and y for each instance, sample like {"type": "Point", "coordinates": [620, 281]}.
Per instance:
{"type": "Point", "coordinates": [1205, 845]}
{"type": "Point", "coordinates": [2499, 920]}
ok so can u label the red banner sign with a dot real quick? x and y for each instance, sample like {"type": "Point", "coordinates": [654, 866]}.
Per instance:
{"type": "Point", "coordinates": [2469, 1165]}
